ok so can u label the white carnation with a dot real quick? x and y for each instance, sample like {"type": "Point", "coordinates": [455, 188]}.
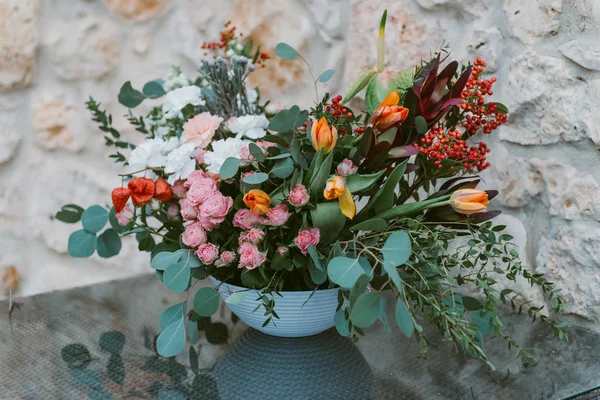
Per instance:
{"type": "Point", "coordinates": [180, 162]}
{"type": "Point", "coordinates": [252, 95]}
{"type": "Point", "coordinates": [176, 81]}
{"type": "Point", "coordinates": [250, 126]}
{"type": "Point", "coordinates": [147, 155]}
{"type": "Point", "coordinates": [222, 150]}
{"type": "Point", "coordinates": [170, 145]}
{"type": "Point", "coordinates": [177, 99]}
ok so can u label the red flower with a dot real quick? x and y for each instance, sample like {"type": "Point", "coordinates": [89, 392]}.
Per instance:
{"type": "Point", "coordinates": [162, 190]}
{"type": "Point", "coordinates": [120, 197]}
{"type": "Point", "coordinates": [142, 190]}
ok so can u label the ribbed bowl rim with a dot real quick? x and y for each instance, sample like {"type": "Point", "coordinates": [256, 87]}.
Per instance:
{"type": "Point", "coordinates": [217, 282]}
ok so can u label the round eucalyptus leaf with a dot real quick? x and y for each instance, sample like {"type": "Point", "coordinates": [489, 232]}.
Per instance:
{"type": "Point", "coordinates": [229, 168]}
{"type": "Point", "coordinates": [283, 168]}
{"type": "Point", "coordinates": [172, 314]}
{"type": "Point", "coordinates": [341, 323]}
{"type": "Point", "coordinates": [164, 259]}
{"type": "Point", "coordinates": [109, 243]}
{"type": "Point", "coordinates": [206, 302]}
{"type": "Point", "coordinates": [256, 178]}
{"type": "Point", "coordinates": [344, 271]}
{"type": "Point", "coordinates": [177, 277]}
{"type": "Point", "coordinates": [404, 319]}
{"type": "Point", "coordinates": [82, 244]}
{"type": "Point", "coordinates": [365, 311]}
{"type": "Point", "coordinates": [325, 76]}
{"type": "Point", "coordinates": [286, 51]}
{"type": "Point", "coordinates": [94, 218]}
{"type": "Point", "coordinates": [171, 340]}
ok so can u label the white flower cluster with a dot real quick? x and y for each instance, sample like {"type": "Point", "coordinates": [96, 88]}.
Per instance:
{"type": "Point", "coordinates": [178, 160]}
{"type": "Point", "coordinates": [177, 99]}
{"type": "Point", "coordinates": [221, 151]}
{"type": "Point", "coordinates": [250, 126]}
{"type": "Point", "coordinates": [176, 79]}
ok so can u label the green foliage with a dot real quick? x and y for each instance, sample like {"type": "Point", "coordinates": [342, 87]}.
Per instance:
{"type": "Point", "coordinates": [325, 76]}
{"type": "Point", "coordinates": [130, 97]}
{"type": "Point", "coordinates": [94, 218]}
{"type": "Point", "coordinates": [286, 120]}
{"type": "Point", "coordinates": [366, 309]}
{"type": "Point", "coordinates": [177, 276]}
{"type": "Point", "coordinates": [206, 302]}
{"type": "Point", "coordinates": [172, 314]}
{"type": "Point", "coordinates": [329, 219]}
{"type": "Point", "coordinates": [69, 214]}
{"type": "Point", "coordinates": [82, 244]}
{"type": "Point", "coordinates": [109, 243]}
{"type": "Point", "coordinates": [229, 168]}
{"type": "Point", "coordinates": [359, 83]}
{"type": "Point", "coordinates": [404, 319]}
{"type": "Point", "coordinates": [283, 168]}
{"type": "Point", "coordinates": [344, 271]}
{"type": "Point", "coordinates": [171, 340]}
{"type": "Point", "coordinates": [154, 89]}
{"type": "Point", "coordinates": [286, 51]}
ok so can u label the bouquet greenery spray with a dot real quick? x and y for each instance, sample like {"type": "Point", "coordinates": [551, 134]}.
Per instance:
{"type": "Point", "coordinates": [289, 199]}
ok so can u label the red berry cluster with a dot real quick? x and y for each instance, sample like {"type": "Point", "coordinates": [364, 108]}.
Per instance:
{"type": "Point", "coordinates": [481, 115]}
{"type": "Point", "coordinates": [227, 35]}
{"type": "Point", "coordinates": [338, 111]}
{"type": "Point", "coordinates": [439, 146]}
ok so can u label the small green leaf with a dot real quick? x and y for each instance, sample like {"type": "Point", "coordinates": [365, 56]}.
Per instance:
{"type": "Point", "coordinates": [501, 108]}
{"type": "Point", "coordinates": [162, 260]}
{"type": "Point", "coordinates": [109, 243]}
{"type": "Point", "coordinates": [130, 97]}
{"type": "Point", "coordinates": [329, 219]}
{"type": "Point", "coordinates": [317, 275]}
{"type": "Point", "coordinates": [341, 323]}
{"type": "Point", "coordinates": [283, 168]}
{"type": "Point", "coordinates": [482, 321]}
{"type": "Point", "coordinates": [297, 155]}
{"type": "Point", "coordinates": [94, 218]}
{"type": "Point", "coordinates": [177, 277]}
{"type": "Point", "coordinates": [256, 178]}
{"type": "Point", "coordinates": [229, 168]}
{"type": "Point", "coordinates": [356, 183]}
{"type": "Point", "coordinates": [319, 180]}
{"type": "Point", "coordinates": [366, 309]}
{"type": "Point", "coordinates": [206, 302]}
{"type": "Point", "coordinates": [154, 89]}
{"type": "Point", "coordinates": [171, 340]}
{"type": "Point", "coordinates": [69, 214]}
{"type": "Point", "coordinates": [285, 120]}
{"type": "Point", "coordinates": [360, 287]}
{"type": "Point", "coordinates": [471, 303]}
{"type": "Point", "coordinates": [404, 319]}
{"type": "Point", "coordinates": [256, 152]}
{"type": "Point", "coordinates": [375, 224]}
{"type": "Point", "coordinates": [172, 314]}
{"type": "Point", "coordinates": [237, 297]}
{"type": "Point", "coordinates": [286, 51]}
{"type": "Point", "coordinates": [325, 76]}
{"type": "Point", "coordinates": [82, 244]}
{"type": "Point", "coordinates": [358, 84]}
{"type": "Point", "coordinates": [383, 317]}
{"type": "Point", "coordinates": [344, 271]}
{"type": "Point", "coordinates": [421, 125]}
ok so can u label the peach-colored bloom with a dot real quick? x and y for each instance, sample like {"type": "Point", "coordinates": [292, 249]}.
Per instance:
{"type": "Point", "coordinates": [388, 113]}
{"type": "Point", "coordinates": [469, 201]}
{"type": "Point", "coordinates": [200, 129]}
{"type": "Point", "coordinates": [258, 201]}
{"type": "Point", "coordinates": [323, 136]}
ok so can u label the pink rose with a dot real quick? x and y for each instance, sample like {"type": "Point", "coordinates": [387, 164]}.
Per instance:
{"type": "Point", "coordinates": [173, 211]}
{"type": "Point", "coordinates": [201, 190]}
{"type": "Point", "coordinates": [200, 129]}
{"type": "Point", "coordinates": [346, 167]}
{"type": "Point", "coordinates": [253, 236]}
{"type": "Point", "coordinates": [306, 238]}
{"type": "Point", "coordinates": [246, 219]}
{"type": "Point", "coordinates": [250, 256]}
{"type": "Point", "coordinates": [194, 235]}
{"type": "Point", "coordinates": [215, 208]}
{"type": "Point", "coordinates": [178, 188]}
{"type": "Point", "coordinates": [193, 177]}
{"type": "Point", "coordinates": [277, 215]}
{"type": "Point", "coordinates": [188, 210]}
{"type": "Point", "coordinates": [227, 257]}
{"type": "Point", "coordinates": [283, 251]}
{"type": "Point", "coordinates": [208, 253]}
{"type": "Point", "coordinates": [298, 196]}
{"type": "Point", "coordinates": [125, 215]}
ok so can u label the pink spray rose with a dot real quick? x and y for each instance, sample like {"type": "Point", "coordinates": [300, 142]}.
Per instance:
{"type": "Point", "coordinates": [188, 210]}
{"type": "Point", "coordinates": [246, 219]}
{"type": "Point", "coordinates": [253, 236]}
{"type": "Point", "coordinates": [178, 188]}
{"type": "Point", "coordinates": [125, 215]}
{"type": "Point", "coordinates": [194, 177]}
{"type": "Point", "coordinates": [227, 257]}
{"type": "Point", "coordinates": [201, 190]}
{"type": "Point", "coordinates": [194, 235]}
{"type": "Point", "coordinates": [346, 168]}
{"type": "Point", "coordinates": [283, 251]}
{"type": "Point", "coordinates": [306, 238]}
{"type": "Point", "coordinates": [208, 253]}
{"type": "Point", "coordinates": [214, 209]}
{"type": "Point", "coordinates": [277, 215]}
{"type": "Point", "coordinates": [250, 256]}
{"type": "Point", "coordinates": [200, 129]}
{"type": "Point", "coordinates": [245, 155]}
{"type": "Point", "coordinates": [298, 196]}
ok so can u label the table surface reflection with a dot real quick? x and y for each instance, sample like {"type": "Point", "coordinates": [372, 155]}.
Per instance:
{"type": "Point", "coordinates": [96, 342]}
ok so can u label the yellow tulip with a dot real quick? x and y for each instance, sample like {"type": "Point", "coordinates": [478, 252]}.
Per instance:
{"type": "Point", "coordinates": [257, 201]}
{"type": "Point", "coordinates": [323, 137]}
{"type": "Point", "coordinates": [336, 189]}
{"type": "Point", "coordinates": [469, 201]}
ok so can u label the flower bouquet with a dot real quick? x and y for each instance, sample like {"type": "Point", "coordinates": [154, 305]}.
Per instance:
{"type": "Point", "coordinates": [305, 219]}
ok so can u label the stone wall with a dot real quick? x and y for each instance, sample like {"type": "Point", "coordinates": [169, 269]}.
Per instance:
{"type": "Point", "coordinates": [55, 53]}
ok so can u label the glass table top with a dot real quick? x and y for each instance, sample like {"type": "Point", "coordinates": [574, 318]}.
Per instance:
{"type": "Point", "coordinates": [96, 342]}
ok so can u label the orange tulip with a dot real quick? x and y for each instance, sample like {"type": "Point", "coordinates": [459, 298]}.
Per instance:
{"type": "Point", "coordinates": [323, 137]}
{"type": "Point", "coordinates": [257, 201]}
{"type": "Point", "coordinates": [162, 190]}
{"type": "Point", "coordinates": [469, 201]}
{"type": "Point", "coordinates": [336, 189]}
{"type": "Point", "coordinates": [388, 113]}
